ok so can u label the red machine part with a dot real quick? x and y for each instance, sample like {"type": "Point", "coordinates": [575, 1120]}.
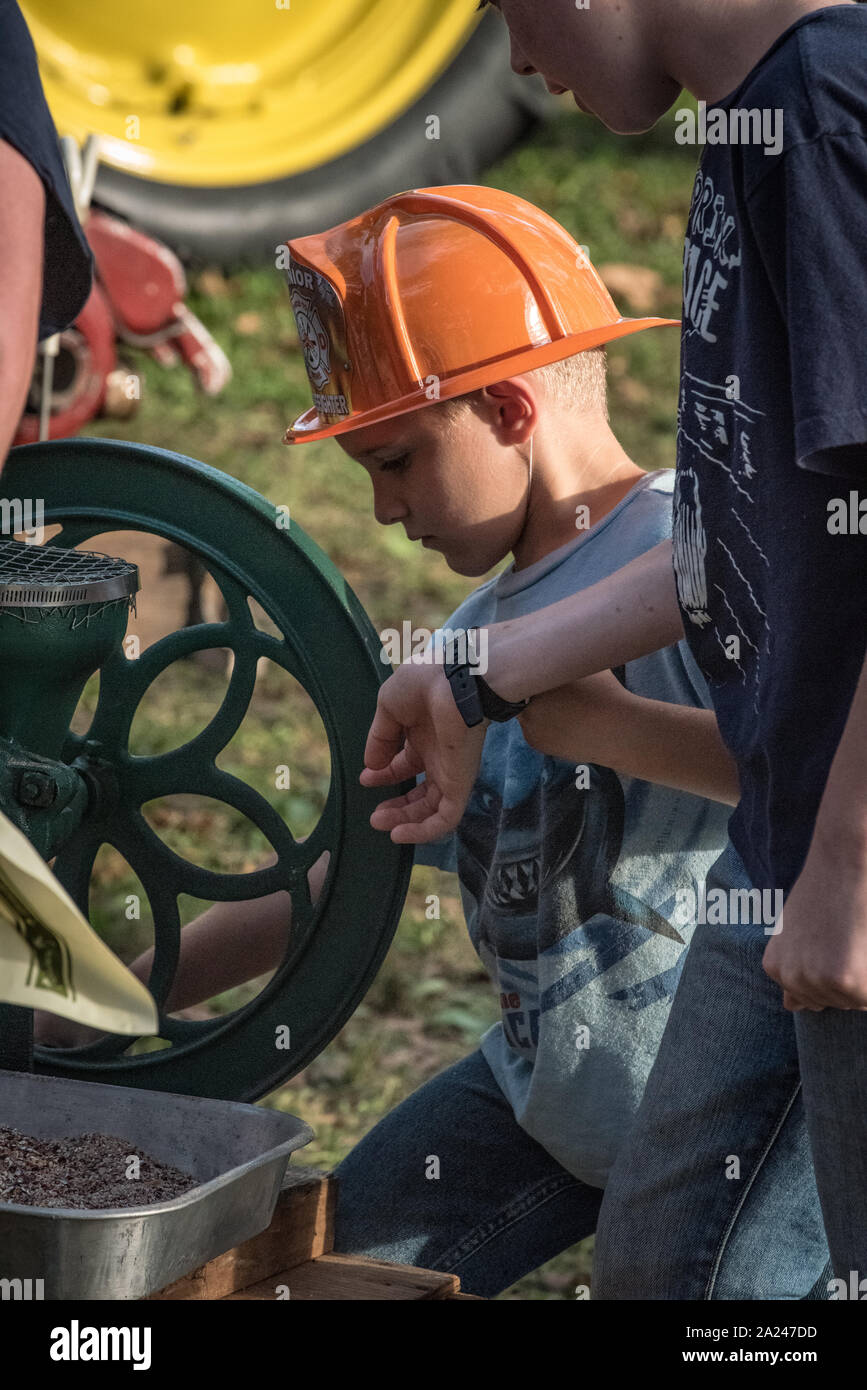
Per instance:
{"type": "Point", "coordinates": [144, 281]}
{"type": "Point", "coordinates": [86, 357]}
{"type": "Point", "coordinates": [138, 297]}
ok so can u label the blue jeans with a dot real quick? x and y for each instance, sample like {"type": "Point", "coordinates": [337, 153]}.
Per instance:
{"type": "Point", "coordinates": [714, 1194]}
{"type": "Point", "coordinates": [496, 1204]}
{"type": "Point", "coordinates": [500, 1206]}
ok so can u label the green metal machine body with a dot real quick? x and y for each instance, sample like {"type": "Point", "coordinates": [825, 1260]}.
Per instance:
{"type": "Point", "coordinates": [73, 794]}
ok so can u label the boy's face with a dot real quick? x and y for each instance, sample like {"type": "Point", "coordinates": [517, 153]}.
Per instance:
{"type": "Point", "coordinates": [449, 482]}
{"type": "Point", "coordinates": [601, 54]}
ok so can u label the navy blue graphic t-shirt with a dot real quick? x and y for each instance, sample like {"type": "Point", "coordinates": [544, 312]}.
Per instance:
{"type": "Point", "coordinates": [26, 124]}
{"type": "Point", "coordinates": [770, 512]}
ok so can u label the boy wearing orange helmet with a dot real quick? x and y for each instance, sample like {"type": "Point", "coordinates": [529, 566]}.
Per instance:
{"type": "Point", "coordinates": [452, 337]}
{"type": "Point", "coordinates": [768, 584]}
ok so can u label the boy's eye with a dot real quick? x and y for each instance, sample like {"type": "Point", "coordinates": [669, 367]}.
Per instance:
{"type": "Point", "coordinates": [395, 465]}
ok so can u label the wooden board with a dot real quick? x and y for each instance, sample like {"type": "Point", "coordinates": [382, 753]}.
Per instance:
{"type": "Point", "coordinates": [301, 1229]}
{"type": "Point", "coordinates": [295, 1259]}
{"type": "Point", "coordinates": [352, 1277]}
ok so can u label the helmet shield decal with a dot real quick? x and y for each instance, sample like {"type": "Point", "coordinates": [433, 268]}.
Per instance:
{"type": "Point", "coordinates": [322, 330]}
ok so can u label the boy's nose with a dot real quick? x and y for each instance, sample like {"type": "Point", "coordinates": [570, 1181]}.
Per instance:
{"type": "Point", "coordinates": [520, 65]}
{"type": "Point", "coordinates": [387, 510]}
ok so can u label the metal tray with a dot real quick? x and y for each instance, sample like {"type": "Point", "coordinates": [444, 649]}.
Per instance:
{"type": "Point", "coordinates": [238, 1152]}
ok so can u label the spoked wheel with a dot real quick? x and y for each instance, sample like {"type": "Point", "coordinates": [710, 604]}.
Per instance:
{"type": "Point", "coordinates": [227, 128]}
{"type": "Point", "coordinates": [326, 642]}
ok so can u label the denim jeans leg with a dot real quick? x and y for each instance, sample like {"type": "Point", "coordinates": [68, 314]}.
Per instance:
{"type": "Point", "coordinates": [713, 1195]}
{"type": "Point", "coordinates": [449, 1181]}
{"type": "Point", "coordinates": [832, 1046]}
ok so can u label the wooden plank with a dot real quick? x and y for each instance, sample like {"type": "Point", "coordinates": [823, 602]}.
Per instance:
{"type": "Point", "coordinates": [352, 1277]}
{"type": "Point", "coordinates": [302, 1228]}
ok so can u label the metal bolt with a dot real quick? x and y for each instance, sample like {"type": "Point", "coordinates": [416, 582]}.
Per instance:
{"type": "Point", "coordinates": [36, 789]}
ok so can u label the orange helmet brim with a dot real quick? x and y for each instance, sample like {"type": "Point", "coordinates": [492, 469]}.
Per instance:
{"type": "Point", "coordinates": [309, 426]}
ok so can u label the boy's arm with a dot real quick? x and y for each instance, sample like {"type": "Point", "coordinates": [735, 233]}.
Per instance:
{"type": "Point", "coordinates": [819, 956]}
{"type": "Point", "coordinates": [227, 945]}
{"type": "Point", "coordinates": [597, 721]}
{"type": "Point", "coordinates": [231, 943]}
{"type": "Point", "coordinates": [417, 727]}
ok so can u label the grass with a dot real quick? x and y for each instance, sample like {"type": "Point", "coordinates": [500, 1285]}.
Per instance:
{"type": "Point", "coordinates": [627, 202]}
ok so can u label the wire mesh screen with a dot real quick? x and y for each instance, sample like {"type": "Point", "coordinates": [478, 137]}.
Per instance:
{"type": "Point", "coordinates": [36, 580]}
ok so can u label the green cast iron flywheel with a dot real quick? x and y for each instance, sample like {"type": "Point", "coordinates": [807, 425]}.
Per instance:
{"type": "Point", "coordinates": [327, 643]}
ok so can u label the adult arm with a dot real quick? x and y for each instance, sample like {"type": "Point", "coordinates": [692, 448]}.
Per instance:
{"type": "Point", "coordinates": [417, 727]}
{"type": "Point", "coordinates": [802, 214]}
{"type": "Point", "coordinates": [225, 946]}
{"type": "Point", "coordinates": [22, 214]}
{"type": "Point", "coordinates": [819, 956]}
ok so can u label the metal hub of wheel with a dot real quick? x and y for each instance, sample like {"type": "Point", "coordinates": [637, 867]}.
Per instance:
{"type": "Point", "coordinates": [327, 643]}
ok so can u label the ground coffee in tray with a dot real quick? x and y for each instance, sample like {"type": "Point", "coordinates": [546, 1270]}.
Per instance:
{"type": "Point", "coordinates": [85, 1171]}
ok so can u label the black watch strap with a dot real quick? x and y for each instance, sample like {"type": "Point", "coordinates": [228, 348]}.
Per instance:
{"type": "Point", "coordinates": [494, 706]}
{"type": "Point", "coordinates": [473, 696]}
{"type": "Point", "coordinates": [459, 675]}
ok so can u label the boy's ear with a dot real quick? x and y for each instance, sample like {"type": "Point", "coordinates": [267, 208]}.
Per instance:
{"type": "Point", "coordinates": [515, 407]}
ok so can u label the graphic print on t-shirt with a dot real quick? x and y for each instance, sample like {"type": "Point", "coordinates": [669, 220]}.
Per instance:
{"type": "Point", "coordinates": [711, 252]}
{"type": "Point", "coordinates": [690, 548]}
{"type": "Point", "coordinates": [716, 427]}
{"type": "Point", "coordinates": [537, 860]}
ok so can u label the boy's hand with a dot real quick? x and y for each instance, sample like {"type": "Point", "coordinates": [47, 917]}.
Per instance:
{"type": "Point", "coordinates": [819, 956]}
{"type": "Point", "coordinates": [577, 722]}
{"type": "Point", "coordinates": [417, 728]}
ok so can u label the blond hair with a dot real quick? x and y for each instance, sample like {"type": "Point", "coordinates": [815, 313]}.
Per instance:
{"type": "Point", "coordinates": [580, 381]}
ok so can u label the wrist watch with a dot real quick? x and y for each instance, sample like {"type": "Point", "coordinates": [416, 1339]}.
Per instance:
{"type": "Point", "coordinates": [474, 697]}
